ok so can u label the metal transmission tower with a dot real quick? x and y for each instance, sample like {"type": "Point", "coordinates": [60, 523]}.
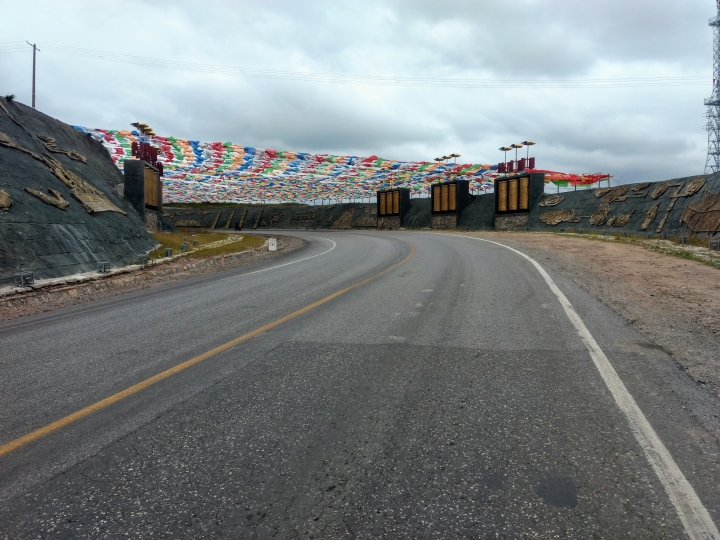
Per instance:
{"type": "Point", "coordinates": [712, 163]}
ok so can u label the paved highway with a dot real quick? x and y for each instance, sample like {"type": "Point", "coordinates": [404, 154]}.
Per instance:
{"type": "Point", "coordinates": [452, 389]}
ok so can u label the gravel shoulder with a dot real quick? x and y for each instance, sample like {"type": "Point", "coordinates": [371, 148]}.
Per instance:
{"type": "Point", "coordinates": [673, 301]}
{"type": "Point", "coordinates": [74, 292]}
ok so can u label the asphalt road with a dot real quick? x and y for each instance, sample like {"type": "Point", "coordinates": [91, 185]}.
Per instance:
{"type": "Point", "coordinates": [449, 397]}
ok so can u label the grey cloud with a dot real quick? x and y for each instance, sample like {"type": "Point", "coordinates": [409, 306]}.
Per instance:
{"type": "Point", "coordinates": [638, 133]}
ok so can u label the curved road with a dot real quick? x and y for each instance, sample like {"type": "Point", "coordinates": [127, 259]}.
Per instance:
{"type": "Point", "coordinates": [446, 392]}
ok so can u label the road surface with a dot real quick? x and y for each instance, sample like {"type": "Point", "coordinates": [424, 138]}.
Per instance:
{"type": "Point", "coordinates": [399, 385]}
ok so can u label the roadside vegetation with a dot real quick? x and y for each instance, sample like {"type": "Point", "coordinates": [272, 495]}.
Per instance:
{"type": "Point", "coordinates": [208, 243]}
{"type": "Point", "coordinates": [697, 249]}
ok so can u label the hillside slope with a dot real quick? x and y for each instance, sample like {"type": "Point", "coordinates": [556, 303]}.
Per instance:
{"type": "Point", "coordinates": [59, 211]}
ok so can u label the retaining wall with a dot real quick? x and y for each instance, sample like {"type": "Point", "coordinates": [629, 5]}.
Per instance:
{"type": "Point", "coordinates": [82, 221]}
{"type": "Point", "coordinates": [620, 209]}
{"type": "Point", "coordinates": [642, 208]}
{"type": "Point", "coordinates": [335, 216]}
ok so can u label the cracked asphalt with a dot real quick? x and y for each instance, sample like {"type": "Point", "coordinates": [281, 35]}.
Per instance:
{"type": "Point", "coordinates": [448, 398]}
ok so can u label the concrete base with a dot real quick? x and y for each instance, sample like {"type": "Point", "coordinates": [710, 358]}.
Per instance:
{"type": "Point", "coordinates": [151, 222]}
{"type": "Point", "coordinates": [156, 222]}
{"type": "Point", "coordinates": [511, 222]}
{"type": "Point", "coordinates": [443, 221]}
{"type": "Point", "coordinates": [388, 223]}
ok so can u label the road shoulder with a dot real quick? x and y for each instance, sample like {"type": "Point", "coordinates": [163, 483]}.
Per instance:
{"type": "Point", "coordinates": [72, 292]}
{"type": "Point", "coordinates": [673, 301]}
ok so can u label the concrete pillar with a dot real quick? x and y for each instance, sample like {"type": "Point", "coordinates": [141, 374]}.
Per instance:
{"type": "Point", "coordinates": [134, 171]}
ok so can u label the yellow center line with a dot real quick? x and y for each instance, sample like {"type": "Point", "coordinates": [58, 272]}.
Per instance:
{"type": "Point", "coordinates": [90, 409]}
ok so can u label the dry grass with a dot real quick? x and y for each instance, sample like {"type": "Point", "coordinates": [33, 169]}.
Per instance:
{"type": "Point", "coordinates": [695, 250]}
{"type": "Point", "coordinates": [208, 243]}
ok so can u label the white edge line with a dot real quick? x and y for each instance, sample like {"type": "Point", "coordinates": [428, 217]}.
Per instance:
{"type": "Point", "coordinates": [286, 264]}
{"type": "Point", "coordinates": [694, 516]}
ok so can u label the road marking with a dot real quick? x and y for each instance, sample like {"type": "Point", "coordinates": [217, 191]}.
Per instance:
{"type": "Point", "coordinates": [694, 516]}
{"type": "Point", "coordinates": [287, 264]}
{"type": "Point", "coordinates": [134, 389]}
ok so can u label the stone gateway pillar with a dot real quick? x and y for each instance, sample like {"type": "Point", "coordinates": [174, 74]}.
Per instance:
{"type": "Point", "coordinates": [515, 196]}
{"type": "Point", "coordinates": [134, 171]}
{"type": "Point", "coordinates": [143, 185]}
{"type": "Point", "coordinates": [392, 205]}
{"type": "Point", "coordinates": [449, 199]}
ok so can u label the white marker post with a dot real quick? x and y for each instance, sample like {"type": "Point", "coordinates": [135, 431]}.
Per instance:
{"type": "Point", "coordinates": [272, 244]}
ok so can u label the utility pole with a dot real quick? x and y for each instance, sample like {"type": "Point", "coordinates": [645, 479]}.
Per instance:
{"type": "Point", "coordinates": [35, 50]}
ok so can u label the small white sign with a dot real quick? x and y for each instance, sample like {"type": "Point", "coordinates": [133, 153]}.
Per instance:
{"type": "Point", "coordinates": [272, 244]}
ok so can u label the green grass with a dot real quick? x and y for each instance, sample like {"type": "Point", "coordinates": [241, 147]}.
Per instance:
{"type": "Point", "coordinates": [209, 243]}
{"type": "Point", "coordinates": [248, 242]}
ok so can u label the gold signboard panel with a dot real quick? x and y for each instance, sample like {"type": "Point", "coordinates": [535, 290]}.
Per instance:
{"type": "Point", "coordinates": [502, 196]}
{"type": "Point", "coordinates": [524, 193]}
{"type": "Point", "coordinates": [389, 203]}
{"type": "Point", "coordinates": [452, 197]}
{"type": "Point", "coordinates": [513, 195]}
{"type": "Point", "coordinates": [151, 187]}
{"type": "Point", "coordinates": [445, 197]}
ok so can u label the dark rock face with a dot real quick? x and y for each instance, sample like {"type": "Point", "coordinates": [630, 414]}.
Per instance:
{"type": "Point", "coordinates": [42, 234]}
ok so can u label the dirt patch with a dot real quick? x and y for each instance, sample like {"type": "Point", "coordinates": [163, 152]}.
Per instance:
{"type": "Point", "coordinates": [73, 293]}
{"type": "Point", "coordinates": [675, 302]}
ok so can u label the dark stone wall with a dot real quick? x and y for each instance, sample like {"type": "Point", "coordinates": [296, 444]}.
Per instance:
{"type": "Point", "coordinates": [43, 238]}
{"type": "Point", "coordinates": [335, 216]}
{"type": "Point", "coordinates": [463, 195]}
{"type": "Point", "coordinates": [479, 214]}
{"type": "Point", "coordinates": [417, 216]}
{"type": "Point", "coordinates": [633, 206]}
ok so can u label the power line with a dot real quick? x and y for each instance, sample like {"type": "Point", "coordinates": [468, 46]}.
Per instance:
{"type": "Point", "coordinates": [11, 46]}
{"type": "Point", "coordinates": [12, 49]}
{"type": "Point", "coordinates": [627, 82]}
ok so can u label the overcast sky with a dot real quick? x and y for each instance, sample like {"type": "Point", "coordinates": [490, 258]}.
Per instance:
{"type": "Point", "coordinates": [637, 134]}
